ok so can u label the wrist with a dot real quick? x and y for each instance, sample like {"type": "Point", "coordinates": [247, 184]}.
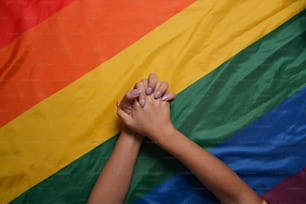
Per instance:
{"type": "Point", "coordinates": [176, 143]}
{"type": "Point", "coordinates": [130, 137]}
{"type": "Point", "coordinates": [162, 136]}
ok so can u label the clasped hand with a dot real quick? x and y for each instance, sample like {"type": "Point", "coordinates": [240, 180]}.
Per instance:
{"type": "Point", "coordinates": [145, 109]}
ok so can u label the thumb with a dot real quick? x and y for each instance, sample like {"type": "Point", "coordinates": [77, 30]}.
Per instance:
{"type": "Point", "coordinates": [128, 100]}
{"type": "Point", "coordinates": [125, 117]}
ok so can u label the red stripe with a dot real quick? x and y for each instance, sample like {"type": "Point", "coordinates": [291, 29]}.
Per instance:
{"type": "Point", "coordinates": [291, 191]}
{"type": "Point", "coordinates": [70, 43]}
{"type": "Point", "coordinates": [18, 16]}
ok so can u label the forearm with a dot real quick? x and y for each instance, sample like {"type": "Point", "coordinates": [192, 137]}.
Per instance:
{"type": "Point", "coordinates": [113, 182]}
{"type": "Point", "coordinates": [213, 173]}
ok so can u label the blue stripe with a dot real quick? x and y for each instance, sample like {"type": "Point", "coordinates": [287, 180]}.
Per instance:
{"type": "Point", "coordinates": [264, 153]}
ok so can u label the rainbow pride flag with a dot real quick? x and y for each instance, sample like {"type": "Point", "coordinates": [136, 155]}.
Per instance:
{"type": "Point", "coordinates": [239, 68]}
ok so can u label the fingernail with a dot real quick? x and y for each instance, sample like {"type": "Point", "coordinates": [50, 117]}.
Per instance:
{"type": "Point", "coordinates": [164, 98]}
{"type": "Point", "coordinates": [142, 102]}
{"type": "Point", "coordinates": [157, 94]}
{"type": "Point", "coordinates": [149, 91]}
{"type": "Point", "coordinates": [136, 92]}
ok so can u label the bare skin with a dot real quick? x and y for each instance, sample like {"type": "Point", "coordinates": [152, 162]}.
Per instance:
{"type": "Point", "coordinates": [153, 120]}
{"type": "Point", "coordinates": [114, 180]}
{"type": "Point", "coordinates": [144, 112]}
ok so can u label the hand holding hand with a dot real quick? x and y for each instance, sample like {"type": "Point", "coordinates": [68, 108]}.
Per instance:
{"type": "Point", "coordinates": [143, 88]}
{"type": "Point", "coordinates": [153, 120]}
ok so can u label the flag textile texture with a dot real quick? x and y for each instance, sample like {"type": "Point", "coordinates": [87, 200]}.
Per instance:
{"type": "Point", "coordinates": [238, 68]}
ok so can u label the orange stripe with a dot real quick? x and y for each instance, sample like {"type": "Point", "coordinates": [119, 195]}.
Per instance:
{"type": "Point", "coordinates": [71, 43]}
{"type": "Point", "coordinates": [17, 17]}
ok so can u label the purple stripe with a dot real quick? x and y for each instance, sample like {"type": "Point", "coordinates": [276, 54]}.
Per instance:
{"type": "Point", "coordinates": [291, 191]}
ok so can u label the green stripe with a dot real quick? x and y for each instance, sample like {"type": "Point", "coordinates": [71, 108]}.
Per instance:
{"type": "Point", "coordinates": [241, 90]}
{"type": "Point", "coordinates": [211, 110]}
{"type": "Point", "coordinates": [73, 183]}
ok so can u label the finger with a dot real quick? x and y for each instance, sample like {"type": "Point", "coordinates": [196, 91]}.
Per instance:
{"type": "Point", "coordinates": [136, 106]}
{"type": "Point", "coordinates": [152, 82]}
{"type": "Point", "coordinates": [128, 99]}
{"type": "Point", "coordinates": [169, 97]}
{"type": "Point", "coordinates": [161, 90]}
{"type": "Point", "coordinates": [141, 86]}
{"type": "Point", "coordinates": [122, 115]}
{"type": "Point", "coordinates": [145, 83]}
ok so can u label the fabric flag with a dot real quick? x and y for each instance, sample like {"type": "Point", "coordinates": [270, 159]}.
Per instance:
{"type": "Point", "coordinates": [238, 68]}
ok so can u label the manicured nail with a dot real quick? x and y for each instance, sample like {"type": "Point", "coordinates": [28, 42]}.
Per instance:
{"type": "Point", "coordinates": [157, 94]}
{"type": "Point", "coordinates": [142, 102]}
{"type": "Point", "coordinates": [136, 92]}
{"type": "Point", "coordinates": [149, 91]}
{"type": "Point", "coordinates": [165, 98]}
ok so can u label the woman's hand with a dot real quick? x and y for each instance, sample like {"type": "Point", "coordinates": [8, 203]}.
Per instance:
{"type": "Point", "coordinates": [114, 180]}
{"type": "Point", "coordinates": [150, 120]}
{"type": "Point", "coordinates": [143, 88]}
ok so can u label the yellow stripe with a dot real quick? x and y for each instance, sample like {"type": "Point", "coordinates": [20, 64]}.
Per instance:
{"type": "Point", "coordinates": [81, 116]}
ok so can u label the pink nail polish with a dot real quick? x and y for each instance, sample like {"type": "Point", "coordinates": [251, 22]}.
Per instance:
{"type": "Point", "coordinates": [165, 98]}
{"type": "Point", "coordinates": [136, 92]}
{"type": "Point", "coordinates": [149, 91]}
{"type": "Point", "coordinates": [142, 102]}
{"type": "Point", "coordinates": [157, 94]}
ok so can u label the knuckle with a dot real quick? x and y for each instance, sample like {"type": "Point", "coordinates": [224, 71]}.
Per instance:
{"type": "Point", "coordinates": [140, 85]}
{"type": "Point", "coordinates": [152, 75]}
{"type": "Point", "coordinates": [165, 83]}
{"type": "Point", "coordinates": [127, 95]}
